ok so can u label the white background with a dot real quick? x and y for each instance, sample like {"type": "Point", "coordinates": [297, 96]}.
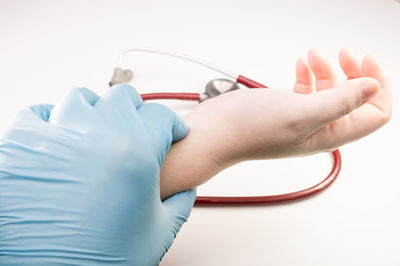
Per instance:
{"type": "Point", "coordinates": [47, 47]}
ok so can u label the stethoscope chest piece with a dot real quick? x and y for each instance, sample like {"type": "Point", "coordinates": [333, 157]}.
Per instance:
{"type": "Point", "coordinates": [219, 86]}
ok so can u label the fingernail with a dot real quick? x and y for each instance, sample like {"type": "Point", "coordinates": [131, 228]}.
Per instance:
{"type": "Point", "coordinates": [369, 88]}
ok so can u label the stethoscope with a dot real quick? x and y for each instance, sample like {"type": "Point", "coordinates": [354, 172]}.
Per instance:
{"type": "Point", "coordinates": [213, 89]}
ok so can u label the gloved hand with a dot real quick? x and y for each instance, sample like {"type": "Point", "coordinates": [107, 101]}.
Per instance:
{"type": "Point", "coordinates": [79, 182]}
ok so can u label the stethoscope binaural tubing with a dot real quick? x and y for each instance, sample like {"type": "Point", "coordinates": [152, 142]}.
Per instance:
{"type": "Point", "coordinates": [241, 200]}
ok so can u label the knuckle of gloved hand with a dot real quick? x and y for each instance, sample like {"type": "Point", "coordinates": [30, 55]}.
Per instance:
{"type": "Point", "coordinates": [129, 91]}
{"type": "Point", "coordinates": [123, 89]}
{"type": "Point", "coordinates": [82, 92]}
{"type": "Point", "coordinates": [77, 90]}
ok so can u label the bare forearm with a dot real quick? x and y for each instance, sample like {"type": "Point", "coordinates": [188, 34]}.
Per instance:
{"type": "Point", "coordinates": [195, 159]}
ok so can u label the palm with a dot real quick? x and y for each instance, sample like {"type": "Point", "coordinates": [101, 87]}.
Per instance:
{"type": "Point", "coordinates": [361, 121]}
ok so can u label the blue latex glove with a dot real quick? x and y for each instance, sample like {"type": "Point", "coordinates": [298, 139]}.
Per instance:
{"type": "Point", "coordinates": [79, 183]}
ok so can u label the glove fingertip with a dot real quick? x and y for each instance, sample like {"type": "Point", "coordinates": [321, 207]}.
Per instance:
{"type": "Point", "coordinates": [179, 129]}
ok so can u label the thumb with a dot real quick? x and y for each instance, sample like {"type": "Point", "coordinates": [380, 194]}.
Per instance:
{"type": "Point", "coordinates": [330, 105]}
{"type": "Point", "coordinates": [164, 125]}
{"type": "Point", "coordinates": [179, 207]}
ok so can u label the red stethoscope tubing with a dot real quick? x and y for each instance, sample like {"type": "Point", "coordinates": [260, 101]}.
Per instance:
{"type": "Point", "coordinates": [253, 200]}
{"type": "Point", "coordinates": [171, 96]}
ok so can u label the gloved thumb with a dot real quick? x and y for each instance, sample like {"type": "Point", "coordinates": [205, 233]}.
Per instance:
{"type": "Point", "coordinates": [179, 207]}
{"type": "Point", "coordinates": [165, 125]}
{"type": "Point", "coordinates": [329, 105]}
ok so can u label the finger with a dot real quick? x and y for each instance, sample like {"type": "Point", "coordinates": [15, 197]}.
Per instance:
{"type": "Point", "coordinates": [329, 105]}
{"type": "Point", "coordinates": [325, 76]}
{"type": "Point", "coordinates": [383, 100]}
{"type": "Point", "coordinates": [120, 103]}
{"type": "Point", "coordinates": [180, 204]}
{"type": "Point", "coordinates": [371, 68]}
{"type": "Point", "coordinates": [179, 207]}
{"type": "Point", "coordinates": [359, 123]}
{"type": "Point", "coordinates": [122, 94]}
{"type": "Point", "coordinates": [349, 63]}
{"type": "Point", "coordinates": [75, 110]}
{"type": "Point", "coordinates": [163, 124]}
{"type": "Point", "coordinates": [304, 77]}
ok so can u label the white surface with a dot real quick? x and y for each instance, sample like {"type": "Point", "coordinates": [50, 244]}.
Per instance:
{"type": "Point", "coordinates": [47, 47]}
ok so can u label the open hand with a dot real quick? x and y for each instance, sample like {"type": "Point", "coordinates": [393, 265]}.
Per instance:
{"type": "Point", "coordinates": [273, 123]}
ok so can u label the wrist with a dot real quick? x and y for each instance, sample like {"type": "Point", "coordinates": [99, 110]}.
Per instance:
{"type": "Point", "coordinates": [206, 150]}
{"type": "Point", "coordinates": [214, 139]}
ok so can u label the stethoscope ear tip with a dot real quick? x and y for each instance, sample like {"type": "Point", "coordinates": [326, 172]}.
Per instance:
{"type": "Point", "coordinates": [121, 76]}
